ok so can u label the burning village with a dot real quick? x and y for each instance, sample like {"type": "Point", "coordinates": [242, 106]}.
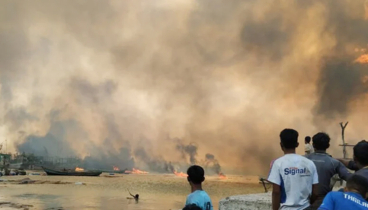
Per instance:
{"type": "Point", "coordinates": [183, 104]}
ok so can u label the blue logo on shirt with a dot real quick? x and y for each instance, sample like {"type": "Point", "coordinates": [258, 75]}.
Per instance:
{"type": "Point", "coordinates": [295, 170]}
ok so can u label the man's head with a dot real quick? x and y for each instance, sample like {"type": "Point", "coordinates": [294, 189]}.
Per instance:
{"type": "Point", "coordinates": [192, 207]}
{"type": "Point", "coordinates": [361, 153]}
{"type": "Point", "coordinates": [307, 139]}
{"type": "Point", "coordinates": [289, 139]}
{"type": "Point", "coordinates": [321, 141]}
{"type": "Point", "coordinates": [358, 184]}
{"type": "Point", "coordinates": [195, 175]}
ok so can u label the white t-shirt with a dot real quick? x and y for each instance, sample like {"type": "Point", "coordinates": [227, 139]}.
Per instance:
{"type": "Point", "coordinates": [308, 149]}
{"type": "Point", "coordinates": [295, 175]}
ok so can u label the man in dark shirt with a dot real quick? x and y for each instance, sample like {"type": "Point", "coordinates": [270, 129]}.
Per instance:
{"type": "Point", "coordinates": [326, 166]}
{"type": "Point", "coordinates": [360, 162]}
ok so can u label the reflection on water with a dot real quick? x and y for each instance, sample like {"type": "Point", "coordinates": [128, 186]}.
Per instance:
{"type": "Point", "coordinates": [156, 191]}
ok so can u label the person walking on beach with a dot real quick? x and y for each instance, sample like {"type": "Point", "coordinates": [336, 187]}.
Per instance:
{"type": "Point", "coordinates": [308, 147]}
{"type": "Point", "coordinates": [353, 196]}
{"type": "Point", "coordinates": [326, 166]}
{"type": "Point", "coordinates": [197, 196]}
{"type": "Point", "coordinates": [293, 176]}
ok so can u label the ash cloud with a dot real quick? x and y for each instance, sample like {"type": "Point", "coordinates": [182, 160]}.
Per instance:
{"type": "Point", "coordinates": [188, 150]}
{"type": "Point", "coordinates": [227, 76]}
{"type": "Point", "coordinates": [211, 162]}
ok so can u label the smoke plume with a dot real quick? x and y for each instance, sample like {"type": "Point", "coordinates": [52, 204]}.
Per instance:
{"type": "Point", "coordinates": [116, 82]}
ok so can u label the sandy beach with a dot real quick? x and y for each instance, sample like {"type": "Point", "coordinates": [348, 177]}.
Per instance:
{"type": "Point", "coordinates": [157, 191]}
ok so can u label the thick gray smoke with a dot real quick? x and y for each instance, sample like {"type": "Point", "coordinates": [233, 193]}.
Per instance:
{"type": "Point", "coordinates": [188, 150]}
{"type": "Point", "coordinates": [109, 81]}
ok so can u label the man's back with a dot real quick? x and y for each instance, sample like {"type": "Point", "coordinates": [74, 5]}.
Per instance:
{"type": "Point", "coordinates": [295, 175]}
{"type": "Point", "coordinates": [343, 201]}
{"type": "Point", "coordinates": [201, 199]}
{"type": "Point", "coordinates": [309, 149]}
{"type": "Point", "coordinates": [327, 167]}
{"type": "Point", "coordinates": [363, 172]}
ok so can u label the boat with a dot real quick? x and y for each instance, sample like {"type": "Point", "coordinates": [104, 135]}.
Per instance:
{"type": "Point", "coordinates": [54, 172]}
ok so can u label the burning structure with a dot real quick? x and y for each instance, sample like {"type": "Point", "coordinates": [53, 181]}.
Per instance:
{"type": "Point", "coordinates": [227, 76]}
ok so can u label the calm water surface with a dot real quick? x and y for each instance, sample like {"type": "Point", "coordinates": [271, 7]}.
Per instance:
{"type": "Point", "coordinates": [156, 191]}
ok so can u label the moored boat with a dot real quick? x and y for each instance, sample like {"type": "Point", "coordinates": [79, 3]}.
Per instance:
{"type": "Point", "coordinates": [54, 172]}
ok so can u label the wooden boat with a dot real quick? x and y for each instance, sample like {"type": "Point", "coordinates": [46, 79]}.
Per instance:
{"type": "Point", "coordinates": [54, 172]}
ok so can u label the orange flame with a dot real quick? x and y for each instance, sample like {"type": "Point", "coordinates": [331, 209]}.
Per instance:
{"type": "Point", "coordinates": [180, 174]}
{"type": "Point", "coordinates": [136, 171]}
{"type": "Point", "coordinates": [222, 175]}
{"type": "Point", "coordinates": [116, 168]}
{"type": "Point", "coordinates": [79, 169]}
{"type": "Point", "coordinates": [362, 59]}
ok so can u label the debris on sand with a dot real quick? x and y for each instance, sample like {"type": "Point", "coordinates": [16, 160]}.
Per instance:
{"type": "Point", "coordinates": [27, 181]}
{"type": "Point", "coordinates": [30, 181]}
{"type": "Point", "coordinates": [15, 205]}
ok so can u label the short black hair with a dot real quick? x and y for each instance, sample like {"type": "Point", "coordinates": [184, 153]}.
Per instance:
{"type": "Point", "coordinates": [361, 152]}
{"type": "Point", "coordinates": [195, 174]}
{"type": "Point", "coordinates": [359, 183]}
{"type": "Point", "coordinates": [307, 139]}
{"type": "Point", "coordinates": [289, 138]}
{"type": "Point", "coordinates": [321, 141]}
{"type": "Point", "coordinates": [192, 207]}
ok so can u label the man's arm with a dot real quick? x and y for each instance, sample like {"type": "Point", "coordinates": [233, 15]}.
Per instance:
{"type": "Point", "coordinates": [314, 193]}
{"type": "Point", "coordinates": [314, 185]}
{"type": "Point", "coordinates": [275, 179]}
{"type": "Point", "coordinates": [276, 197]}
{"type": "Point", "coordinates": [343, 172]}
{"type": "Point", "coordinates": [349, 164]}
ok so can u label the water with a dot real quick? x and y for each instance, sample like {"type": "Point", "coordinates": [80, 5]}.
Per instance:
{"type": "Point", "coordinates": [156, 191]}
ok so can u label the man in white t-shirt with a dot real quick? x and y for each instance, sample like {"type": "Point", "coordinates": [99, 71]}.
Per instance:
{"type": "Point", "coordinates": [293, 176]}
{"type": "Point", "coordinates": [308, 147]}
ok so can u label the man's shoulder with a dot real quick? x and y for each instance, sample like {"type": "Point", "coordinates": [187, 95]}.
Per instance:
{"type": "Point", "coordinates": [306, 160]}
{"type": "Point", "coordinates": [198, 193]}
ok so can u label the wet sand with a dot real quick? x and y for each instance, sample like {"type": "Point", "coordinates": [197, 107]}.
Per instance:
{"type": "Point", "coordinates": [157, 191]}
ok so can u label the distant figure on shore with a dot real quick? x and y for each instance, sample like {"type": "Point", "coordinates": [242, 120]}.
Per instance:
{"type": "Point", "coordinates": [293, 176]}
{"type": "Point", "coordinates": [353, 196]}
{"type": "Point", "coordinates": [197, 196]}
{"type": "Point", "coordinates": [308, 147]}
{"type": "Point", "coordinates": [360, 161]}
{"type": "Point", "coordinates": [135, 197]}
{"type": "Point", "coordinates": [326, 166]}
{"type": "Point", "coordinates": [192, 207]}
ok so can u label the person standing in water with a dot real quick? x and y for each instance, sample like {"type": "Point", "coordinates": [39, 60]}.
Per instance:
{"type": "Point", "coordinates": [197, 196]}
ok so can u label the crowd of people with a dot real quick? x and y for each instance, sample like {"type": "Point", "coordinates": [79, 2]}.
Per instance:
{"type": "Point", "coordinates": [304, 182]}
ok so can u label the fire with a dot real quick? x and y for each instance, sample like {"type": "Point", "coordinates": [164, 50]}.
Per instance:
{"type": "Point", "coordinates": [116, 168]}
{"type": "Point", "coordinates": [362, 59]}
{"type": "Point", "coordinates": [79, 169]}
{"type": "Point", "coordinates": [136, 171]}
{"type": "Point", "coordinates": [222, 176]}
{"type": "Point", "coordinates": [180, 174]}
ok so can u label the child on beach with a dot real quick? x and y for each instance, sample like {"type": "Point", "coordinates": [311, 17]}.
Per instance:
{"type": "Point", "coordinates": [198, 196]}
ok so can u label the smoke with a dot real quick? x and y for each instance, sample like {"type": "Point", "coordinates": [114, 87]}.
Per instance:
{"type": "Point", "coordinates": [190, 150]}
{"type": "Point", "coordinates": [111, 83]}
{"type": "Point", "coordinates": [216, 167]}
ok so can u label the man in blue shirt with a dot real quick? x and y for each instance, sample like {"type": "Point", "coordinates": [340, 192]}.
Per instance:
{"type": "Point", "coordinates": [353, 196]}
{"type": "Point", "coordinates": [198, 196]}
